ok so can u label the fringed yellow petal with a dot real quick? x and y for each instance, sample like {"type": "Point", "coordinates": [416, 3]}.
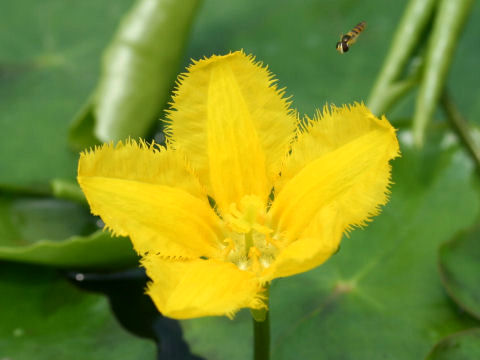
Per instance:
{"type": "Point", "coordinates": [348, 168]}
{"type": "Point", "coordinates": [158, 219]}
{"type": "Point", "coordinates": [316, 244]}
{"type": "Point", "coordinates": [235, 125]}
{"type": "Point", "coordinates": [195, 288]}
{"type": "Point", "coordinates": [133, 201]}
{"type": "Point", "coordinates": [327, 131]}
{"type": "Point", "coordinates": [139, 161]}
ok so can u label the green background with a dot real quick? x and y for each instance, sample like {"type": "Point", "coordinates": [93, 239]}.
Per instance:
{"type": "Point", "coordinates": [397, 307]}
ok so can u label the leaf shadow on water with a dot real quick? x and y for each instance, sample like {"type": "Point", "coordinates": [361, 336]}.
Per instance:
{"type": "Point", "coordinates": [135, 310]}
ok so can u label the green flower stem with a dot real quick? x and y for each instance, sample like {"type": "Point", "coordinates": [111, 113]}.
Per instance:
{"type": "Point", "coordinates": [415, 19]}
{"type": "Point", "coordinates": [396, 91]}
{"type": "Point", "coordinates": [460, 126]}
{"type": "Point", "coordinates": [449, 22]}
{"type": "Point", "coordinates": [261, 330]}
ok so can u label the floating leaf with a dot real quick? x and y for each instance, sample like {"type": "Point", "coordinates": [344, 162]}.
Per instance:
{"type": "Point", "coordinates": [49, 61]}
{"type": "Point", "coordinates": [44, 317]}
{"type": "Point", "coordinates": [459, 261]}
{"type": "Point", "coordinates": [462, 346]}
{"type": "Point", "coordinates": [58, 233]}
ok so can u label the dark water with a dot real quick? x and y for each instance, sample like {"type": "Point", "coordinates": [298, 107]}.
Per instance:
{"type": "Point", "coordinates": [135, 311]}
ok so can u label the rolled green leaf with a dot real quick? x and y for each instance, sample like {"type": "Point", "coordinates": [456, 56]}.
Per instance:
{"type": "Point", "coordinates": [80, 135]}
{"type": "Point", "coordinates": [138, 71]}
{"type": "Point", "coordinates": [67, 189]}
{"type": "Point", "coordinates": [449, 22]}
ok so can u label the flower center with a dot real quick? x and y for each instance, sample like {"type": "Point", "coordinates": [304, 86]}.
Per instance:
{"type": "Point", "coordinates": [250, 242]}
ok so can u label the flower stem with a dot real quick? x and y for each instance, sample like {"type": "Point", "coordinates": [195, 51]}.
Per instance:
{"type": "Point", "coordinates": [261, 330]}
{"type": "Point", "coordinates": [386, 90]}
{"type": "Point", "coordinates": [450, 20]}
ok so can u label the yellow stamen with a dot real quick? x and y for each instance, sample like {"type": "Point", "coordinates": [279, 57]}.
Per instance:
{"type": "Point", "coordinates": [254, 255]}
{"type": "Point", "coordinates": [230, 247]}
{"type": "Point", "coordinates": [271, 241]}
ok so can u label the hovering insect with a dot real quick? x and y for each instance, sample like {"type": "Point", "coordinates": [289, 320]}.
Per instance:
{"type": "Point", "coordinates": [349, 38]}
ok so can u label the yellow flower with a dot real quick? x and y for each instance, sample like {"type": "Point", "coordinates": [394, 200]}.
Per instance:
{"type": "Point", "coordinates": [245, 193]}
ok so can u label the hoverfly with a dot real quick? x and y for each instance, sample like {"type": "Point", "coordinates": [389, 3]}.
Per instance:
{"type": "Point", "coordinates": [349, 38]}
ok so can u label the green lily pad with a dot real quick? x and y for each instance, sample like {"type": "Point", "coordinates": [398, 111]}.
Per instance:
{"type": "Point", "coordinates": [461, 346]}
{"type": "Point", "coordinates": [49, 63]}
{"type": "Point", "coordinates": [58, 233]}
{"type": "Point", "coordinates": [459, 261]}
{"type": "Point", "coordinates": [44, 317]}
{"type": "Point", "coordinates": [380, 296]}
